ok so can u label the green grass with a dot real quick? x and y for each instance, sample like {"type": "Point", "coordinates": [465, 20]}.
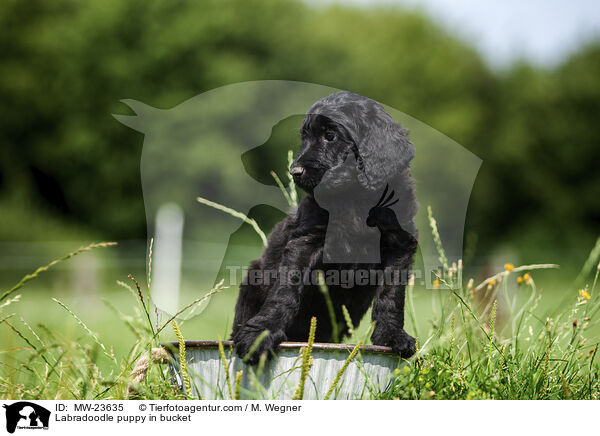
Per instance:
{"type": "Point", "coordinates": [504, 341]}
{"type": "Point", "coordinates": [525, 353]}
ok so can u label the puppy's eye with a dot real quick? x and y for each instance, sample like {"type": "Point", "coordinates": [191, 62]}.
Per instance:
{"type": "Point", "coordinates": [329, 135]}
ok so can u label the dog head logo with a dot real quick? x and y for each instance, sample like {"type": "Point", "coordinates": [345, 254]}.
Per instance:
{"type": "Point", "coordinates": [26, 415]}
{"type": "Point", "coordinates": [203, 147]}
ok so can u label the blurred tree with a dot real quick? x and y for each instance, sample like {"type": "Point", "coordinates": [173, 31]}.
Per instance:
{"type": "Point", "coordinates": [66, 64]}
{"type": "Point", "coordinates": [540, 185]}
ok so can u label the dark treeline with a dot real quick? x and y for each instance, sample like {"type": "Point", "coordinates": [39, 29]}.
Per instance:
{"type": "Point", "coordinates": [67, 168]}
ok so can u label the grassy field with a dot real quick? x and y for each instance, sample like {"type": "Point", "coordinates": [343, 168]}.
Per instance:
{"type": "Point", "coordinates": [502, 339]}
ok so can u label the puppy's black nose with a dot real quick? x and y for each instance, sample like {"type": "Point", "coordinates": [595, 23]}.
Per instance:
{"type": "Point", "coordinates": [296, 171]}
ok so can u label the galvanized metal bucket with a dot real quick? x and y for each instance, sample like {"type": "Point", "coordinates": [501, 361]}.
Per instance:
{"type": "Point", "coordinates": [368, 374]}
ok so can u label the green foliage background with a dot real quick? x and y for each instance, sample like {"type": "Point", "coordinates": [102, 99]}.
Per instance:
{"type": "Point", "coordinates": [68, 170]}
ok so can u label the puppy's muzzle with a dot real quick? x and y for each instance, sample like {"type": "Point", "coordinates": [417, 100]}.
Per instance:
{"type": "Point", "coordinates": [296, 171]}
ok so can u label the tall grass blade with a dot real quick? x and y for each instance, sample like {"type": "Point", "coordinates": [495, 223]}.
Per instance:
{"type": "Point", "coordinates": [348, 320]}
{"type": "Point", "coordinates": [437, 240]}
{"type": "Point", "coordinates": [256, 344]}
{"type": "Point", "coordinates": [306, 360]}
{"type": "Point", "coordinates": [7, 303]}
{"type": "Point", "coordinates": [218, 288]}
{"type": "Point", "coordinates": [332, 318]}
{"type": "Point", "coordinates": [492, 321]}
{"type": "Point", "coordinates": [225, 367]}
{"type": "Point", "coordinates": [41, 269]}
{"type": "Point", "coordinates": [342, 370]}
{"type": "Point", "coordinates": [182, 360]}
{"type": "Point", "coordinates": [238, 384]}
{"type": "Point", "coordinates": [589, 264]}
{"type": "Point", "coordinates": [495, 277]}
{"type": "Point", "coordinates": [86, 328]}
{"type": "Point", "coordinates": [141, 297]}
{"type": "Point", "coordinates": [282, 188]}
{"type": "Point", "coordinates": [292, 184]}
{"type": "Point", "coordinates": [236, 214]}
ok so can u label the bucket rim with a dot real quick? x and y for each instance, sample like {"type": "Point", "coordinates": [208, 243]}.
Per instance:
{"type": "Point", "coordinates": [317, 346]}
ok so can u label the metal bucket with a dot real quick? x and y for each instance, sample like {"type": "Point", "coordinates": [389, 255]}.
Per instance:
{"type": "Point", "coordinates": [367, 375]}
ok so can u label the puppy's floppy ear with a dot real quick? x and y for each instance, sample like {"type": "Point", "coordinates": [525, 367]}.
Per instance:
{"type": "Point", "coordinates": [383, 152]}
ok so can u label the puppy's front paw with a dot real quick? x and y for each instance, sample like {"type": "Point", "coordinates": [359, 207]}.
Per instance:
{"type": "Point", "coordinates": [400, 341]}
{"type": "Point", "coordinates": [245, 339]}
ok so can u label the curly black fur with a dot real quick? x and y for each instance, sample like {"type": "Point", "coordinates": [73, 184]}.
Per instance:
{"type": "Point", "coordinates": [351, 148]}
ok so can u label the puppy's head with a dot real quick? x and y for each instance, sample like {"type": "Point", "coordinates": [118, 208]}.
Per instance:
{"type": "Point", "coordinates": [344, 123]}
{"type": "Point", "coordinates": [325, 145]}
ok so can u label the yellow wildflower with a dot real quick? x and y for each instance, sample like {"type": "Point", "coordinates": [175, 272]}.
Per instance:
{"type": "Point", "coordinates": [509, 266]}
{"type": "Point", "coordinates": [584, 294]}
{"type": "Point", "coordinates": [436, 284]}
{"type": "Point", "coordinates": [520, 280]}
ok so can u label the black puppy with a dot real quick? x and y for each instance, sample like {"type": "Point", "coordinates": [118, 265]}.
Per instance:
{"type": "Point", "coordinates": [354, 166]}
